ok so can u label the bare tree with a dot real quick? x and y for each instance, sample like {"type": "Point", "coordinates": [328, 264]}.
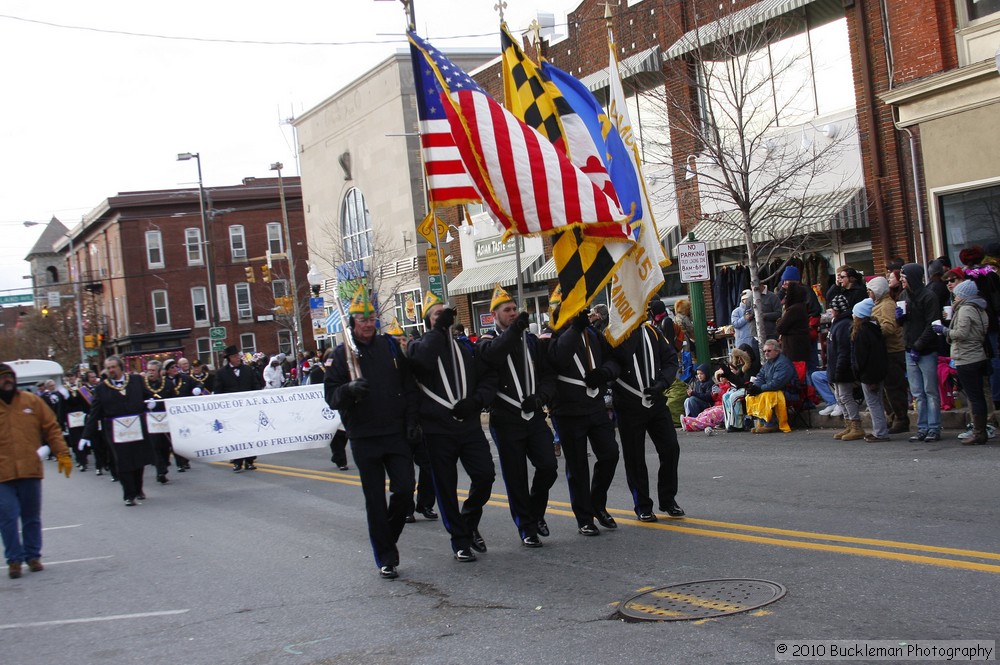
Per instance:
{"type": "Point", "coordinates": [746, 110]}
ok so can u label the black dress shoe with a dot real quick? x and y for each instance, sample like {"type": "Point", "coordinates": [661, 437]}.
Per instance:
{"type": "Point", "coordinates": [465, 555]}
{"type": "Point", "coordinates": [673, 509]}
{"type": "Point", "coordinates": [388, 572]}
{"type": "Point", "coordinates": [589, 530]}
{"type": "Point", "coordinates": [98, 472]}
{"type": "Point", "coordinates": [162, 479]}
{"type": "Point", "coordinates": [605, 519]}
{"type": "Point", "coordinates": [428, 513]}
{"type": "Point", "coordinates": [129, 502]}
{"type": "Point", "coordinates": [531, 541]}
{"type": "Point", "coordinates": [409, 519]}
{"type": "Point", "coordinates": [251, 467]}
{"type": "Point", "coordinates": [543, 528]}
{"type": "Point", "coordinates": [647, 517]}
{"type": "Point", "coordinates": [343, 467]}
{"type": "Point", "coordinates": [478, 543]}
{"type": "Point", "coordinates": [140, 497]}
{"type": "Point", "coordinates": [238, 468]}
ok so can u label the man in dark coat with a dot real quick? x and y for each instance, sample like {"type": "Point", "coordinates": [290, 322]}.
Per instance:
{"type": "Point", "coordinates": [648, 367]}
{"type": "Point", "coordinates": [235, 377]}
{"type": "Point", "coordinates": [119, 408]}
{"type": "Point", "coordinates": [372, 388]}
{"type": "Point", "coordinates": [179, 384]}
{"type": "Point", "coordinates": [584, 367]}
{"type": "Point", "coordinates": [921, 351]}
{"type": "Point", "coordinates": [156, 386]}
{"type": "Point", "coordinates": [455, 388]}
{"type": "Point", "coordinates": [517, 419]}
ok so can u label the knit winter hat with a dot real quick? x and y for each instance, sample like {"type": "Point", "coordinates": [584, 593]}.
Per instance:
{"type": "Point", "coordinates": [839, 303]}
{"type": "Point", "coordinates": [972, 256]}
{"type": "Point", "coordinates": [879, 286]}
{"type": "Point", "coordinates": [863, 309]}
{"type": "Point", "coordinates": [791, 274]}
{"type": "Point", "coordinates": [965, 289]}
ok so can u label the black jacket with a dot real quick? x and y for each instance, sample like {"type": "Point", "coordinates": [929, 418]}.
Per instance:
{"type": "Point", "coordinates": [838, 351]}
{"type": "Point", "coordinates": [391, 404]}
{"type": "Point", "coordinates": [501, 351]}
{"type": "Point", "coordinates": [869, 357]}
{"type": "Point", "coordinates": [921, 311]}
{"type": "Point", "coordinates": [226, 380]}
{"type": "Point", "coordinates": [432, 360]}
{"type": "Point", "coordinates": [658, 362]}
{"type": "Point", "coordinates": [568, 354]}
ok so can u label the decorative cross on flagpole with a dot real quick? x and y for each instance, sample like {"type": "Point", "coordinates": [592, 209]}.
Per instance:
{"type": "Point", "coordinates": [607, 10]}
{"type": "Point", "coordinates": [536, 33]}
{"type": "Point", "coordinates": [499, 7]}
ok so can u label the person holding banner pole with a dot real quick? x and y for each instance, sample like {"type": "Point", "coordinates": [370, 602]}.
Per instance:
{"type": "Point", "coordinates": [179, 384]}
{"type": "Point", "coordinates": [370, 385]}
{"type": "Point", "coordinates": [235, 377]}
{"type": "Point", "coordinates": [156, 392]}
{"type": "Point", "coordinates": [118, 407]}
{"type": "Point", "coordinates": [455, 389]}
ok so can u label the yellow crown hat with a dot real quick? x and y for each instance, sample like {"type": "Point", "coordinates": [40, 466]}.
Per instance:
{"type": "Point", "coordinates": [361, 303]}
{"type": "Point", "coordinates": [431, 299]}
{"type": "Point", "coordinates": [499, 297]}
{"type": "Point", "coordinates": [394, 329]}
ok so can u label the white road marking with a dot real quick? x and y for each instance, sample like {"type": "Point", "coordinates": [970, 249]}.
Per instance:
{"type": "Point", "coordinates": [92, 558]}
{"type": "Point", "coordinates": [115, 617]}
{"type": "Point", "coordinates": [68, 526]}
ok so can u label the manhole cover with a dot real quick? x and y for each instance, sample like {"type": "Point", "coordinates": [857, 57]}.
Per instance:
{"type": "Point", "coordinates": [699, 600]}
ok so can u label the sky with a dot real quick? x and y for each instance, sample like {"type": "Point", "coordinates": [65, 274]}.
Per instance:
{"type": "Point", "coordinates": [90, 111]}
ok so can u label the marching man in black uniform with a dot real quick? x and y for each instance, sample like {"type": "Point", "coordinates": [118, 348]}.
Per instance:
{"type": "Point", "coordinates": [370, 385]}
{"type": "Point", "coordinates": [156, 392]}
{"type": "Point", "coordinates": [235, 377]}
{"type": "Point", "coordinates": [179, 384]}
{"type": "Point", "coordinates": [517, 420]}
{"type": "Point", "coordinates": [584, 367]}
{"type": "Point", "coordinates": [119, 407]}
{"type": "Point", "coordinates": [648, 367]}
{"type": "Point", "coordinates": [455, 389]}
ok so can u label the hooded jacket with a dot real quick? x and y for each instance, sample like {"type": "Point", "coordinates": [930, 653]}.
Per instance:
{"type": "Point", "coordinates": [838, 350]}
{"type": "Point", "coordinates": [793, 326]}
{"type": "Point", "coordinates": [921, 311]}
{"type": "Point", "coordinates": [969, 325]}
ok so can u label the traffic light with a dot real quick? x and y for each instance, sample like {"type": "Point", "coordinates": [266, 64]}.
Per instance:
{"type": "Point", "coordinates": [250, 275]}
{"type": "Point", "coordinates": [88, 342]}
{"type": "Point", "coordinates": [100, 339]}
{"type": "Point", "coordinates": [265, 274]}
{"type": "Point", "coordinates": [45, 311]}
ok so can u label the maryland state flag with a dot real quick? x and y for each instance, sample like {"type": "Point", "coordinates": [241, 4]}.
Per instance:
{"type": "Point", "coordinates": [585, 262]}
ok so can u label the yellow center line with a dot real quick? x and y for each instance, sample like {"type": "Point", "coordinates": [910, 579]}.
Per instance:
{"type": "Point", "coordinates": [680, 526]}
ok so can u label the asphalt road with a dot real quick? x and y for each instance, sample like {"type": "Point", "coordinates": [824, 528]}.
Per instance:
{"type": "Point", "coordinates": [887, 541]}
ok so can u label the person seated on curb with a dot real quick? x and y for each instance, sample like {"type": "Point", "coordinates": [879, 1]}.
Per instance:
{"type": "Point", "coordinates": [766, 393]}
{"type": "Point", "coordinates": [743, 364]}
{"type": "Point", "coordinates": [700, 396]}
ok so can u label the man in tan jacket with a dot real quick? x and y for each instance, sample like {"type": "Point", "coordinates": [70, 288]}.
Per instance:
{"type": "Point", "coordinates": [896, 386]}
{"type": "Point", "coordinates": [25, 421]}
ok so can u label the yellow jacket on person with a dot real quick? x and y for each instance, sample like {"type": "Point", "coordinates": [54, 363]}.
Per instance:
{"type": "Point", "coordinates": [24, 424]}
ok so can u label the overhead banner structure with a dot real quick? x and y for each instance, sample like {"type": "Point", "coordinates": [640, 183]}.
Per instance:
{"type": "Point", "coordinates": [257, 422]}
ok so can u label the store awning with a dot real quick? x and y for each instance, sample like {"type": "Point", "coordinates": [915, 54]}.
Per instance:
{"type": "Point", "coordinates": [733, 24]}
{"type": "Point", "coordinates": [503, 272]}
{"type": "Point", "coordinates": [670, 234]}
{"type": "Point", "coordinates": [650, 60]}
{"type": "Point", "coordinates": [835, 211]}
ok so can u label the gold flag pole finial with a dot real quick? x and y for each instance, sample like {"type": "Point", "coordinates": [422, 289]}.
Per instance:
{"type": "Point", "coordinates": [411, 20]}
{"type": "Point", "coordinates": [500, 7]}
{"type": "Point", "coordinates": [607, 12]}
{"type": "Point", "coordinates": [536, 34]}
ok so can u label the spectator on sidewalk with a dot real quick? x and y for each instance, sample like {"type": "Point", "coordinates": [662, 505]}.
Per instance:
{"type": "Point", "coordinates": [921, 352]}
{"type": "Point", "coordinates": [895, 384]}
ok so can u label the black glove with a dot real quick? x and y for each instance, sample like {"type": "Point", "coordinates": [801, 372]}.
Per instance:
{"type": "Point", "coordinates": [358, 388]}
{"type": "Point", "coordinates": [521, 322]}
{"type": "Point", "coordinates": [465, 408]}
{"type": "Point", "coordinates": [753, 389]}
{"type": "Point", "coordinates": [414, 432]}
{"type": "Point", "coordinates": [597, 378]}
{"type": "Point", "coordinates": [445, 319]}
{"type": "Point", "coordinates": [656, 388]}
{"type": "Point", "coordinates": [581, 321]}
{"type": "Point", "coordinates": [531, 403]}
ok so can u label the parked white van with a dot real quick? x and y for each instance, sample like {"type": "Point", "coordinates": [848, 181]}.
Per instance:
{"type": "Point", "coordinates": [32, 372]}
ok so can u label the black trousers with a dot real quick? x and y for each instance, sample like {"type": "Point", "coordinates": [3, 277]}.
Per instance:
{"type": "Point", "coordinates": [517, 444]}
{"type": "Point", "coordinates": [633, 426]}
{"type": "Point", "coordinates": [161, 452]}
{"type": "Point", "coordinates": [587, 496]}
{"type": "Point", "coordinates": [472, 450]}
{"type": "Point", "coordinates": [376, 458]}
{"type": "Point", "coordinates": [897, 388]}
{"type": "Point", "coordinates": [425, 477]}
{"type": "Point", "coordinates": [103, 458]}
{"type": "Point", "coordinates": [131, 482]}
{"type": "Point", "coordinates": [75, 434]}
{"type": "Point", "coordinates": [338, 448]}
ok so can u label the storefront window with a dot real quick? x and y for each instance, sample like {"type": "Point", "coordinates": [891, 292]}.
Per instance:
{"type": "Point", "coordinates": [970, 218]}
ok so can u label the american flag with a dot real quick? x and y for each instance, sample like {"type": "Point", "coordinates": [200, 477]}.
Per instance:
{"type": "Point", "coordinates": [448, 183]}
{"type": "Point", "coordinates": [527, 183]}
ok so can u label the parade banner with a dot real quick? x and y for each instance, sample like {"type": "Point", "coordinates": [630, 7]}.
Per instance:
{"type": "Point", "coordinates": [258, 422]}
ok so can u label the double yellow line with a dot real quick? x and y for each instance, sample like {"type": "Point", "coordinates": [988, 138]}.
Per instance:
{"type": "Point", "coordinates": [947, 557]}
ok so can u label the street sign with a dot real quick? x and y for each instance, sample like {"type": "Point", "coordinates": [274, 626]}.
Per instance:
{"type": "Point", "coordinates": [432, 229]}
{"type": "Point", "coordinates": [436, 284]}
{"type": "Point", "coordinates": [17, 299]}
{"type": "Point", "coordinates": [217, 333]}
{"type": "Point", "coordinates": [218, 345]}
{"type": "Point", "coordinates": [54, 298]}
{"type": "Point", "coordinates": [433, 266]}
{"type": "Point", "coordinates": [692, 259]}
{"type": "Point", "coordinates": [317, 303]}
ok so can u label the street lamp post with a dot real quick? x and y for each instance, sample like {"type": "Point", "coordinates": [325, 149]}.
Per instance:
{"type": "Point", "coordinates": [296, 333]}
{"type": "Point", "coordinates": [213, 314]}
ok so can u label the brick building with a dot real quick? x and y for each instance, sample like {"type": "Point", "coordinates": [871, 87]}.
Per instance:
{"type": "Point", "coordinates": [144, 271]}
